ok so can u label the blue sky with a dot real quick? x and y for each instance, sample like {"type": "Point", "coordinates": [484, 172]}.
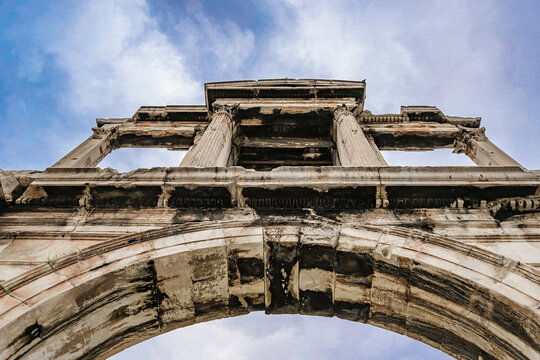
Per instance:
{"type": "Point", "coordinates": [65, 63]}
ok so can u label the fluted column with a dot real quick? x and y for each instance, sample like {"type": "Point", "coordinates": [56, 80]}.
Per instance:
{"type": "Point", "coordinates": [352, 145]}
{"type": "Point", "coordinates": [214, 146]}
{"type": "Point", "coordinates": [91, 151]}
{"type": "Point", "coordinates": [475, 144]}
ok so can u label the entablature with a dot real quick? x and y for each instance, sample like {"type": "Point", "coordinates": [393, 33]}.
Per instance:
{"type": "Point", "coordinates": [286, 88]}
{"type": "Point", "coordinates": [334, 188]}
{"type": "Point", "coordinates": [286, 133]}
{"type": "Point", "coordinates": [418, 113]}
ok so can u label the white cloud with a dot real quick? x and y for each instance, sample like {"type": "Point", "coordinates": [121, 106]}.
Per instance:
{"type": "Point", "coordinates": [448, 54]}
{"type": "Point", "coordinates": [437, 157]}
{"type": "Point", "coordinates": [127, 159]}
{"type": "Point", "coordinates": [215, 47]}
{"type": "Point", "coordinates": [385, 44]}
{"type": "Point", "coordinates": [258, 336]}
{"type": "Point", "coordinates": [117, 59]}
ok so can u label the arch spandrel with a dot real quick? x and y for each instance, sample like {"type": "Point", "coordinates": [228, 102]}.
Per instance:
{"type": "Point", "coordinates": [461, 299]}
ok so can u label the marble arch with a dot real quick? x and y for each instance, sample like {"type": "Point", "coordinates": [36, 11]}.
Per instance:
{"type": "Point", "coordinates": [283, 204]}
{"type": "Point", "coordinates": [461, 299]}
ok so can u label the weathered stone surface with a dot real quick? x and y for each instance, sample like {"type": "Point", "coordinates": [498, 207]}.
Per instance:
{"type": "Point", "coordinates": [281, 269]}
{"type": "Point", "coordinates": [392, 277]}
{"type": "Point", "coordinates": [93, 261]}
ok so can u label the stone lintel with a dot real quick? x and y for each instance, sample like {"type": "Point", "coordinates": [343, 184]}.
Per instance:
{"type": "Point", "coordinates": [301, 176]}
{"type": "Point", "coordinates": [417, 113]}
{"type": "Point", "coordinates": [472, 122]}
{"type": "Point", "coordinates": [114, 121]}
{"type": "Point", "coordinates": [286, 106]}
{"type": "Point", "coordinates": [194, 113]}
{"type": "Point", "coordinates": [410, 136]}
{"type": "Point", "coordinates": [286, 88]}
{"type": "Point", "coordinates": [287, 188]}
{"type": "Point", "coordinates": [284, 143]}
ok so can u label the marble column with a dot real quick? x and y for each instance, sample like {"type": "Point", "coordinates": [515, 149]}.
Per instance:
{"type": "Point", "coordinates": [475, 144]}
{"type": "Point", "coordinates": [353, 148]}
{"type": "Point", "coordinates": [214, 146]}
{"type": "Point", "coordinates": [91, 151]}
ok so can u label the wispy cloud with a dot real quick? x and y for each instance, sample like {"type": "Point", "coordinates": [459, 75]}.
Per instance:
{"type": "Point", "coordinates": [127, 159]}
{"type": "Point", "coordinates": [215, 47]}
{"type": "Point", "coordinates": [115, 56]}
{"type": "Point", "coordinates": [116, 59]}
{"type": "Point", "coordinates": [449, 54]}
{"type": "Point", "coordinates": [258, 336]}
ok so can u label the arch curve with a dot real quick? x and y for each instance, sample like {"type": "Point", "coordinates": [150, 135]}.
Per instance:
{"type": "Point", "coordinates": [466, 301]}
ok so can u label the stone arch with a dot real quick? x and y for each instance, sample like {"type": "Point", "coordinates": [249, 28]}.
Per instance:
{"type": "Point", "coordinates": [468, 302]}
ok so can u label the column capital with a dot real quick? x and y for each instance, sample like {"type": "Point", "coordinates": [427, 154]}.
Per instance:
{"type": "Point", "coordinates": [353, 148]}
{"type": "Point", "coordinates": [341, 110]}
{"type": "Point", "coordinates": [224, 109]}
{"type": "Point", "coordinates": [105, 130]}
{"type": "Point", "coordinates": [465, 136]}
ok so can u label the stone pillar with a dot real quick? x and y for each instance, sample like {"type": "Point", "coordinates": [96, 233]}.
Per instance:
{"type": "Point", "coordinates": [91, 151]}
{"type": "Point", "coordinates": [214, 146]}
{"type": "Point", "coordinates": [352, 145]}
{"type": "Point", "coordinates": [475, 144]}
{"type": "Point", "coordinates": [375, 149]}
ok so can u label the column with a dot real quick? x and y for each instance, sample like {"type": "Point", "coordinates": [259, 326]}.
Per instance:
{"type": "Point", "coordinates": [91, 151]}
{"type": "Point", "coordinates": [375, 149]}
{"type": "Point", "coordinates": [352, 145]}
{"type": "Point", "coordinates": [214, 146]}
{"type": "Point", "coordinates": [475, 144]}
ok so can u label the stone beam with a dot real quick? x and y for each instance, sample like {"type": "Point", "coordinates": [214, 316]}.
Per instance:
{"type": "Point", "coordinates": [156, 134]}
{"type": "Point", "coordinates": [286, 88]}
{"type": "Point", "coordinates": [287, 187]}
{"type": "Point", "coordinates": [91, 151]}
{"type": "Point", "coordinates": [214, 147]}
{"type": "Point", "coordinates": [418, 113]}
{"type": "Point", "coordinates": [410, 136]}
{"type": "Point", "coordinates": [475, 144]}
{"type": "Point", "coordinates": [352, 145]}
{"type": "Point", "coordinates": [308, 176]}
{"type": "Point", "coordinates": [284, 106]}
{"type": "Point", "coordinates": [172, 113]}
{"type": "Point", "coordinates": [285, 143]}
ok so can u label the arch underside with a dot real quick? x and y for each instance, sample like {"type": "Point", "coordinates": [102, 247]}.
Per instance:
{"type": "Point", "coordinates": [466, 301]}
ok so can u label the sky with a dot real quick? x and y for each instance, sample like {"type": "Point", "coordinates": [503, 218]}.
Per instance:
{"type": "Point", "coordinates": [65, 63]}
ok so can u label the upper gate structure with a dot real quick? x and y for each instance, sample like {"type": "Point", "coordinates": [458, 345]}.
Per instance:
{"type": "Point", "coordinates": [282, 203]}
